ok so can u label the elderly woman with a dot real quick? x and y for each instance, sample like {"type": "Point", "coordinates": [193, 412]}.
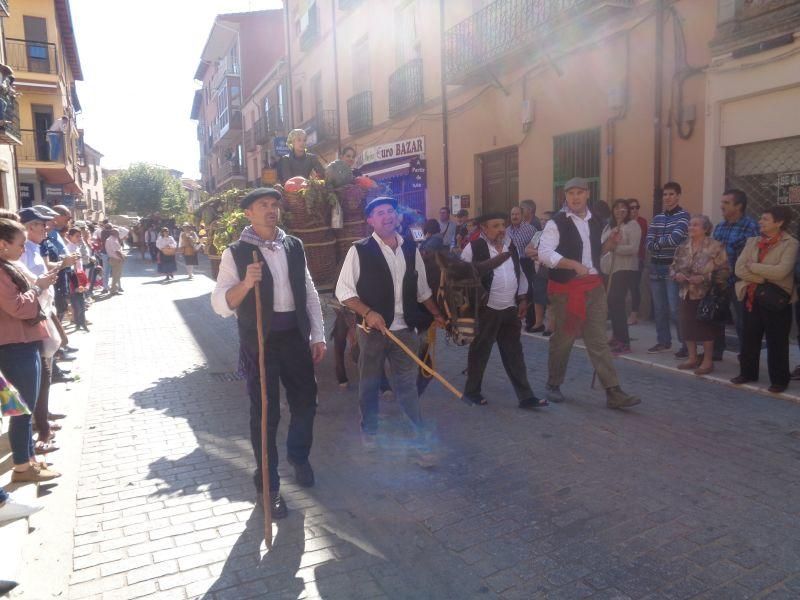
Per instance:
{"type": "Point", "coordinates": [700, 263]}
{"type": "Point", "coordinates": [188, 242]}
{"type": "Point", "coordinates": [620, 261]}
{"type": "Point", "coordinates": [22, 330]}
{"type": "Point", "coordinates": [765, 269]}
{"type": "Point", "coordinates": [167, 247]}
{"type": "Point", "coordinates": [300, 162]}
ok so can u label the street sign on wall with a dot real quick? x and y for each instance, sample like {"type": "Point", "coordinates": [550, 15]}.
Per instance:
{"type": "Point", "coordinates": [789, 188]}
{"type": "Point", "coordinates": [400, 149]}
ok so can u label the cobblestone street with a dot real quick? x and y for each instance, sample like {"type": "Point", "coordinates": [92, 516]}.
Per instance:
{"type": "Point", "coordinates": [695, 493]}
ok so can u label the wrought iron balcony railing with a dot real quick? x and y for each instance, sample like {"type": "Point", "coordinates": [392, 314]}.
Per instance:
{"type": "Point", "coordinates": [267, 127]}
{"type": "Point", "coordinates": [33, 57]}
{"type": "Point", "coordinates": [9, 118]}
{"type": "Point", "coordinates": [4, 8]}
{"type": "Point", "coordinates": [405, 88]}
{"type": "Point", "coordinates": [43, 146]}
{"type": "Point", "coordinates": [324, 124]}
{"type": "Point", "coordinates": [746, 28]}
{"type": "Point", "coordinates": [230, 169]}
{"type": "Point", "coordinates": [359, 112]}
{"type": "Point", "coordinates": [508, 26]}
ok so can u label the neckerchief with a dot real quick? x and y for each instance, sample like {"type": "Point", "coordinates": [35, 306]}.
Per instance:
{"type": "Point", "coordinates": [250, 236]}
{"type": "Point", "coordinates": [764, 245]}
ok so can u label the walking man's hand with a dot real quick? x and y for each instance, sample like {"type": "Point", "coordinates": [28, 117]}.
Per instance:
{"type": "Point", "coordinates": [318, 352]}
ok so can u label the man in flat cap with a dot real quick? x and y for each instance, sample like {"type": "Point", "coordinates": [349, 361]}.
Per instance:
{"type": "Point", "coordinates": [293, 331]}
{"type": "Point", "coordinates": [383, 281]}
{"type": "Point", "coordinates": [500, 319]}
{"type": "Point", "coordinates": [570, 246]}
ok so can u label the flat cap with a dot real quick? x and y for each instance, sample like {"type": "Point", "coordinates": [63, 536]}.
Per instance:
{"type": "Point", "coordinates": [32, 213]}
{"type": "Point", "coordinates": [576, 182]}
{"type": "Point", "coordinates": [259, 193]}
{"type": "Point", "coordinates": [46, 210]}
{"type": "Point", "coordinates": [61, 210]}
{"type": "Point", "coordinates": [375, 202]}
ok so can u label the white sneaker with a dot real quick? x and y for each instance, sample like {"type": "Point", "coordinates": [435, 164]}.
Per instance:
{"type": "Point", "coordinates": [12, 510]}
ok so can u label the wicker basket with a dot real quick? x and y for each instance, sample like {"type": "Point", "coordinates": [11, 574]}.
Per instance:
{"type": "Point", "coordinates": [320, 246]}
{"type": "Point", "coordinates": [299, 214]}
{"type": "Point", "coordinates": [352, 199]}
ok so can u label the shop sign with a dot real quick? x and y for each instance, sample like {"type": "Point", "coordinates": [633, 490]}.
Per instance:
{"type": "Point", "coordinates": [418, 174]}
{"type": "Point", "coordinates": [458, 201]}
{"type": "Point", "coordinates": [401, 149]}
{"type": "Point", "coordinates": [281, 147]}
{"type": "Point", "coordinates": [25, 194]}
{"type": "Point", "coordinates": [53, 191]}
{"type": "Point", "coordinates": [789, 188]}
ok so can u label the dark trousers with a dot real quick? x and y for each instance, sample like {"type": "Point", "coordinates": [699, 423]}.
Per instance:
{"type": "Point", "coordinates": [288, 362]}
{"type": "Point", "coordinates": [151, 246]}
{"type": "Point", "coordinates": [737, 310]}
{"type": "Point", "coordinates": [78, 303]}
{"type": "Point", "coordinates": [503, 327]}
{"type": "Point", "coordinates": [620, 283]}
{"type": "Point", "coordinates": [43, 401]}
{"type": "Point", "coordinates": [776, 326]}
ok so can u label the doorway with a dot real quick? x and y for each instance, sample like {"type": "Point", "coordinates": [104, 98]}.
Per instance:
{"type": "Point", "coordinates": [42, 121]}
{"type": "Point", "coordinates": [499, 180]}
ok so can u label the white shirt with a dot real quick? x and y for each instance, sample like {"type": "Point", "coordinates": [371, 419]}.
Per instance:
{"type": "Point", "coordinates": [113, 247]}
{"type": "Point", "coordinates": [505, 287]}
{"type": "Point", "coordinates": [550, 240]}
{"type": "Point", "coordinates": [283, 298]}
{"type": "Point", "coordinates": [166, 242]}
{"type": "Point", "coordinates": [351, 270]}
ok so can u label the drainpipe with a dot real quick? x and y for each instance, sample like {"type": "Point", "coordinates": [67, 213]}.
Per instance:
{"type": "Point", "coordinates": [336, 79]}
{"type": "Point", "coordinates": [289, 87]}
{"type": "Point", "coordinates": [658, 105]}
{"type": "Point", "coordinates": [446, 161]}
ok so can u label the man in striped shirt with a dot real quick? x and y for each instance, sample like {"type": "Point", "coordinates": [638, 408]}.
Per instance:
{"type": "Point", "coordinates": [668, 230]}
{"type": "Point", "coordinates": [521, 233]}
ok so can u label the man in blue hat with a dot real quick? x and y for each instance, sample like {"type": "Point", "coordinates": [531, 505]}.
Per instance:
{"type": "Point", "coordinates": [293, 330]}
{"type": "Point", "coordinates": [383, 280]}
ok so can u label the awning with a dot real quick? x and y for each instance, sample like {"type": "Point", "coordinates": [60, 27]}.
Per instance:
{"type": "Point", "coordinates": [395, 169]}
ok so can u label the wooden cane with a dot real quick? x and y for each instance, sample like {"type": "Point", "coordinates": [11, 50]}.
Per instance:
{"type": "Point", "coordinates": [608, 291]}
{"type": "Point", "coordinates": [262, 375]}
{"type": "Point", "coordinates": [421, 364]}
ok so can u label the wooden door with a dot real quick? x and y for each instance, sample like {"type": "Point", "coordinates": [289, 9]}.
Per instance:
{"type": "Point", "coordinates": [500, 180]}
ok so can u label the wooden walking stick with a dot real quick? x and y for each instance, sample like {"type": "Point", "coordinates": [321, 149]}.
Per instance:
{"type": "Point", "coordinates": [262, 375]}
{"type": "Point", "coordinates": [608, 291]}
{"type": "Point", "coordinates": [421, 364]}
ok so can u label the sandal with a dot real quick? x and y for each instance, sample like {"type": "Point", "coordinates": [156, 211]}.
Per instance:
{"type": "Point", "coordinates": [45, 447]}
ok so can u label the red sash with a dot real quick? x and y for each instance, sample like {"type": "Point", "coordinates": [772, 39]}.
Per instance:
{"type": "Point", "coordinates": [576, 290]}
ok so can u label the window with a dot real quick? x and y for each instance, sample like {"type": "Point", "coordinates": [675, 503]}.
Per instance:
{"type": "Point", "coordinates": [222, 105]}
{"type": "Point", "coordinates": [576, 155]}
{"type": "Point", "coordinates": [406, 28]}
{"type": "Point", "coordinates": [281, 106]}
{"type": "Point", "coordinates": [361, 78]}
{"type": "Point", "coordinates": [299, 105]}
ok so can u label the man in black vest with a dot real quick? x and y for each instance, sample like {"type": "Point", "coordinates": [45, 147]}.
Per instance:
{"type": "Point", "coordinates": [570, 246]}
{"type": "Point", "coordinates": [293, 332]}
{"type": "Point", "coordinates": [500, 320]}
{"type": "Point", "coordinates": [383, 281]}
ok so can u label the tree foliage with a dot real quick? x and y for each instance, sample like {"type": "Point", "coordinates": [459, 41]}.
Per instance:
{"type": "Point", "coordinates": [145, 189]}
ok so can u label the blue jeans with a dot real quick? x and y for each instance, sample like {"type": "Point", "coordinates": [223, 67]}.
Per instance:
{"type": "Point", "coordinates": [665, 303]}
{"type": "Point", "coordinates": [106, 270]}
{"type": "Point", "coordinates": [3, 496]}
{"type": "Point", "coordinates": [22, 366]}
{"type": "Point", "coordinates": [54, 141]}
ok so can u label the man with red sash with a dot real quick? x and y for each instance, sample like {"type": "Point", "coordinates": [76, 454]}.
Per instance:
{"type": "Point", "coordinates": [570, 246]}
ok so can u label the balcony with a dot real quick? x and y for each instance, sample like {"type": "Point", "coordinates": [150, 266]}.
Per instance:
{"type": "Point", "coordinates": [267, 127]}
{"type": "Point", "coordinates": [321, 128]}
{"type": "Point", "coordinates": [9, 117]}
{"type": "Point", "coordinates": [745, 28]}
{"type": "Point", "coordinates": [53, 155]}
{"type": "Point", "coordinates": [508, 30]}
{"type": "Point", "coordinates": [4, 12]}
{"type": "Point", "coordinates": [405, 88]}
{"type": "Point", "coordinates": [228, 170]}
{"type": "Point", "coordinates": [31, 57]}
{"type": "Point", "coordinates": [227, 67]}
{"type": "Point", "coordinates": [359, 112]}
{"type": "Point", "coordinates": [229, 123]}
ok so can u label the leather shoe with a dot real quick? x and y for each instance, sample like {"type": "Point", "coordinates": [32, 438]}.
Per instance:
{"type": "Point", "coordinates": [777, 389]}
{"type": "Point", "coordinates": [277, 505]}
{"type": "Point", "coordinates": [533, 402]}
{"type": "Point", "coordinates": [616, 398]}
{"type": "Point", "coordinates": [303, 473]}
{"type": "Point", "coordinates": [739, 380]}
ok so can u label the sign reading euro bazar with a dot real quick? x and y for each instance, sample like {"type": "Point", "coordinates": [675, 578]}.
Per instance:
{"type": "Point", "coordinates": [789, 188]}
{"type": "Point", "coordinates": [401, 149]}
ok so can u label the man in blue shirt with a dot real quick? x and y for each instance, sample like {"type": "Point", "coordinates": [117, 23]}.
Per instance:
{"type": "Point", "coordinates": [733, 233]}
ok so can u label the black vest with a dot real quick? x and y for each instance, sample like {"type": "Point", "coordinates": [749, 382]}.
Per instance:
{"type": "Point", "coordinates": [480, 253]}
{"type": "Point", "coordinates": [570, 244]}
{"type": "Point", "coordinates": [246, 313]}
{"type": "Point", "coordinates": [375, 286]}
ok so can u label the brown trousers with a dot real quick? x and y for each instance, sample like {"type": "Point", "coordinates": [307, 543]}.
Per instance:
{"type": "Point", "coordinates": [594, 336]}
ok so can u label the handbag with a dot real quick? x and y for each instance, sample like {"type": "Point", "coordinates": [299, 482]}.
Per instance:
{"type": "Point", "coordinates": [713, 307]}
{"type": "Point", "coordinates": [771, 297]}
{"type": "Point", "coordinates": [11, 404]}
{"type": "Point", "coordinates": [169, 251]}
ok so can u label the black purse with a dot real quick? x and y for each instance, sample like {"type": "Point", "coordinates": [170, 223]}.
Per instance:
{"type": "Point", "coordinates": [713, 307]}
{"type": "Point", "coordinates": [771, 297]}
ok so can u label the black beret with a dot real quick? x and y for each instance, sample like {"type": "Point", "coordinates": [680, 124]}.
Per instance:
{"type": "Point", "coordinates": [259, 193]}
{"type": "Point", "coordinates": [492, 215]}
{"type": "Point", "coordinates": [375, 202]}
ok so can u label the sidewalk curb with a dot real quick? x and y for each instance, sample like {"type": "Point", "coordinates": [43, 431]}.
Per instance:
{"type": "Point", "coordinates": [794, 398]}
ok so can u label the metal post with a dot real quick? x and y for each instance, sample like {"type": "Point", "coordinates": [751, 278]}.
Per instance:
{"type": "Point", "coordinates": [336, 79]}
{"type": "Point", "coordinates": [445, 161]}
